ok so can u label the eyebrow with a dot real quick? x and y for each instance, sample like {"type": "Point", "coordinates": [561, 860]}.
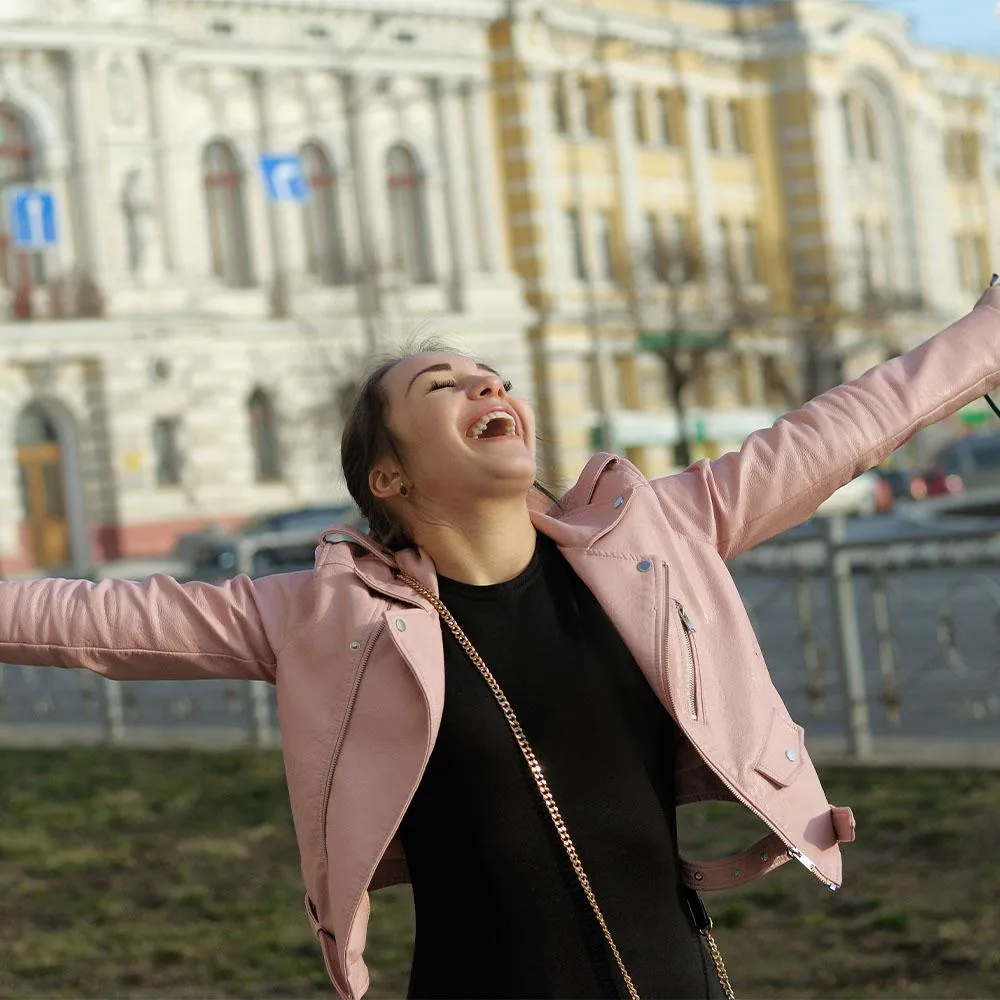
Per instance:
{"type": "Point", "coordinates": [445, 367]}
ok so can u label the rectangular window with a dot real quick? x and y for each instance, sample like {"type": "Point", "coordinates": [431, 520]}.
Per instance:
{"type": "Point", "coordinates": [751, 264]}
{"type": "Point", "coordinates": [664, 111]}
{"type": "Point", "coordinates": [604, 246]}
{"type": "Point", "coordinates": [714, 133]}
{"type": "Point", "coordinates": [728, 258]}
{"type": "Point", "coordinates": [560, 105]}
{"type": "Point", "coordinates": [737, 128]}
{"type": "Point", "coordinates": [639, 123]}
{"type": "Point", "coordinates": [574, 235]}
{"type": "Point", "coordinates": [656, 256]}
{"type": "Point", "coordinates": [681, 266]}
{"type": "Point", "coordinates": [970, 156]}
{"type": "Point", "coordinates": [864, 257]}
{"type": "Point", "coordinates": [166, 446]}
{"type": "Point", "coordinates": [591, 107]}
{"type": "Point", "coordinates": [963, 274]}
{"type": "Point", "coordinates": [976, 258]}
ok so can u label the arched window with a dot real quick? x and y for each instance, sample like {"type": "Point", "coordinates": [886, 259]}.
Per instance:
{"type": "Point", "coordinates": [411, 250]}
{"type": "Point", "coordinates": [871, 133]}
{"type": "Point", "coordinates": [324, 235]}
{"type": "Point", "coordinates": [847, 115]}
{"type": "Point", "coordinates": [264, 437]}
{"type": "Point", "coordinates": [17, 166]}
{"type": "Point", "coordinates": [226, 215]}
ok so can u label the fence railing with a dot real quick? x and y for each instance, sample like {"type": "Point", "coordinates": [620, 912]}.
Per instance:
{"type": "Point", "coordinates": [869, 639]}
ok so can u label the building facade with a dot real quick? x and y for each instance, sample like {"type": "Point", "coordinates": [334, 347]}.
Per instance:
{"type": "Point", "coordinates": [181, 355]}
{"type": "Point", "coordinates": [666, 220]}
{"type": "Point", "coordinates": [720, 208]}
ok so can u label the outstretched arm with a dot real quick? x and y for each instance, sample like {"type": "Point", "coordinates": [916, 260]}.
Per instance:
{"type": "Point", "coordinates": [157, 629]}
{"type": "Point", "coordinates": [782, 474]}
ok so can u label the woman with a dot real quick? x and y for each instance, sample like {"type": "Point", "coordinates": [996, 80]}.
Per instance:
{"type": "Point", "coordinates": [610, 623]}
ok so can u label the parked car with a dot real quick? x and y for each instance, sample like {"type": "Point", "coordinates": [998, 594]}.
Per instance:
{"type": "Point", "coordinates": [942, 484]}
{"type": "Point", "coordinates": [215, 554]}
{"type": "Point", "coordinates": [967, 463]}
{"type": "Point", "coordinates": [904, 484]}
{"type": "Point", "coordinates": [863, 496]}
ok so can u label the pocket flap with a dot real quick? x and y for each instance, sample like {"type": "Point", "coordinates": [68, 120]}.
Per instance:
{"type": "Point", "coordinates": [783, 753]}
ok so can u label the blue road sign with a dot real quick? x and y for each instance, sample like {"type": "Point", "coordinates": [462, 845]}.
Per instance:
{"type": "Point", "coordinates": [33, 218]}
{"type": "Point", "coordinates": [283, 177]}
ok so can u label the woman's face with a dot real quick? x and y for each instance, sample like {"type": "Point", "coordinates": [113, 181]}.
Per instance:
{"type": "Point", "coordinates": [461, 435]}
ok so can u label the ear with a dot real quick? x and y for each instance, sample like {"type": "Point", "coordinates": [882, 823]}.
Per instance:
{"type": "Point", "coordinates": [384, 481]}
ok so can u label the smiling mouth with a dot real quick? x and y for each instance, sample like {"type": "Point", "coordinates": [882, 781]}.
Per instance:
{"type": "Point", "coordinates": [495, 424]}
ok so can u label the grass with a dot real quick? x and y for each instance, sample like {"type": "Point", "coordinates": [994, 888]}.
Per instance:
{"type": "Point", "coordinates": [175, 875]}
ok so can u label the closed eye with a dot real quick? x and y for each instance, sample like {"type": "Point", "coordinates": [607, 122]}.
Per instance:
{"type": "Point", "coordinates": [449, 384]}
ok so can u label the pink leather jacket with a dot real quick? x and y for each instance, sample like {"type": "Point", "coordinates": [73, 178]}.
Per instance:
{"type": "Point", "coordinates": [358, 661]}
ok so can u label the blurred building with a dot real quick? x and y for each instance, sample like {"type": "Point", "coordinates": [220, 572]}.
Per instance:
{"type": "Point", "coordinates": [720, 208]}
{"type": "Point", "coordinates": [180, 356]}
{"type": "Point", "coordinates": [666, 220]}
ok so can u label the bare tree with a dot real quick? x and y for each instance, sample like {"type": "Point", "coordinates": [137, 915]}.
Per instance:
{"type": "Point", "coordinates": [683, 310]}
{"type": "Point", "coordinates": [850, 298]}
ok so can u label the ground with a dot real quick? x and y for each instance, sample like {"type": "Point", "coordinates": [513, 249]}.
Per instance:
{"type": "Point", "coordinates": [175, 875]}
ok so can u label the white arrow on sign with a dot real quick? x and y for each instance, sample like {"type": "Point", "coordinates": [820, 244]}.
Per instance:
{"type": "Point", "coordinates": [283, 178]}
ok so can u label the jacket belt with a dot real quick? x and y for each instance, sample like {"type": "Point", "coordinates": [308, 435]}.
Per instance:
{"type": "Point", "coordinates": [726, 873]}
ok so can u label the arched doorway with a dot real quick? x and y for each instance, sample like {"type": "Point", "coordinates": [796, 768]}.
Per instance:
{"type": "Point", "coordinates": [43, 487]}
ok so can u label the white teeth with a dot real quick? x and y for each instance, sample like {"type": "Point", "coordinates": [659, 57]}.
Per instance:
{"type": "Point", "coordinates": [478, 428]}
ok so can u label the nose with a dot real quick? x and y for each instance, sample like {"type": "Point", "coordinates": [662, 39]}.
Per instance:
{"type": "Point", "coordinates": [488, 385]}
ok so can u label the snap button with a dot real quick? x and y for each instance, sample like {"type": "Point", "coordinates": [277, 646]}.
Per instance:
{"type": "Point", "coordinates": [765, 857]}
{"type": "Point", "coordinates": [355, 645]}
{"type": "Point", "coordinates": [400, 624]}
{"type": "Point", "coordinates": [619, 501]}
{"type": "Point", "coordinates": [737, 872]}
{"type": "Point", "coordinates": [791, 754]}
{"type": "Point", "coordinates": [699, 876]}
{"type": "Point", "coordinates": [644, 566]}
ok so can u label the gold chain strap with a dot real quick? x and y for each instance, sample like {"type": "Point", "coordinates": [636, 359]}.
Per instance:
{"type": "Point", "coordinates": [548, 798]}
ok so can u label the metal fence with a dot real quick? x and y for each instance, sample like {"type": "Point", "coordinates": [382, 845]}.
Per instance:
{"type": "Point", "coordinates": [879, 646]}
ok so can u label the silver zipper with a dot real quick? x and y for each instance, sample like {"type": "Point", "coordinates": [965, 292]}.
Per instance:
{"type": "Point", "coordinates": [809, 865]}
{"type": "Point", "coordinates": [355, 688]}
{"type": "Point", "coordinates": [689, 630]}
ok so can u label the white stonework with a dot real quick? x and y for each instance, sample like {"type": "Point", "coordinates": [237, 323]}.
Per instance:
{"type": "Point", "coordinates": [131, 326]}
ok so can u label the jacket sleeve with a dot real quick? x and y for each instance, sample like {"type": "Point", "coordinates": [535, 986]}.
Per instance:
{"type": "Point", "coordinates": [783, 473]}
{"type": "Point", "coordinates": [156, 629]}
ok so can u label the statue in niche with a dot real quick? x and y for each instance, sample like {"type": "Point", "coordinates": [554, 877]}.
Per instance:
{"type": "Point", "coordinates": [145, 251]}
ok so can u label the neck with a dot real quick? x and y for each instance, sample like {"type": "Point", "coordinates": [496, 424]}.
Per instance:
{"type": "Point", "coordinates": [480, 545]}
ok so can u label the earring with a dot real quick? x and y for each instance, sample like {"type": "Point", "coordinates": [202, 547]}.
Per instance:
{"type": "Point", "coordinates": [404, 490]}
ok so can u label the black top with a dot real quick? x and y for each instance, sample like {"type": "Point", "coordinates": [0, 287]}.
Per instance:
{"type": "Point", "coordinates": [499, 911]}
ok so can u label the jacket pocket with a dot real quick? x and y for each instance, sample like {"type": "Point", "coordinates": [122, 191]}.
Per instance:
{"type": "Point", "coordinates": [690, 701]}
{"type": "Point", "coordinates": [783, 753]}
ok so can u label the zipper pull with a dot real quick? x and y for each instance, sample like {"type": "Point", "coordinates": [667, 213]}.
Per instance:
{"type": "Point", "coordinates": [688, 624]}
{"type": "Point", "coordinates": [810, 866]}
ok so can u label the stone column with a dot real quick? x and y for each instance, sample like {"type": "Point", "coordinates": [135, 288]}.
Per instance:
{"type": "Point", "coordinates": [835, 200]}
{"type": "Point", "coordinates": [938, 266]}
{"type": "Point", "coordinates": [622, 95]}
{"type": "Point", "coordinates": [479, 118]}
{"type": "Point", "coordinates": [161, 71]}
{"type": "Point", "coordinates": [696, 129]}
{"type": "Point", "coordinates": [279, 230]}
{"type": "Point", "coordinates": [988, 180]}
{"type": "Point", "coordinates": [86, 166]}
{"type": "Point", "coordinates": [540, 111]}
{"type": "Point", "coordinates": [356, 91]}
{"type": "Point", "coordinates": [461, 241]}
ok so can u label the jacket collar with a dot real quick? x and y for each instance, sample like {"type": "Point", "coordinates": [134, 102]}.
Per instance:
{"type": "Point", "coordinates": [574, 522]}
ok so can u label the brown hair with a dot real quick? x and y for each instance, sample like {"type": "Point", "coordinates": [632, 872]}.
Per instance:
{"type": "Point", "coordinates": [367, 438]}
